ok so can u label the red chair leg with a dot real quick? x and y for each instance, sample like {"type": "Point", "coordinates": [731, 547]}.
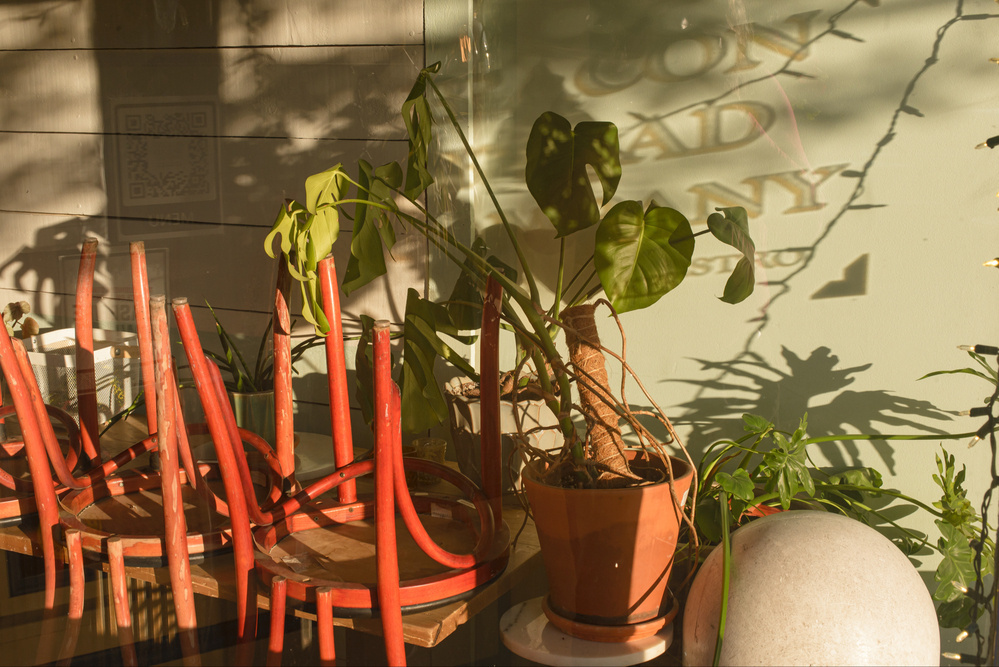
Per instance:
{"type": "Point", "coordinates": [77, 593]}
{"type": "Point", "coordinates": [489, 399]}
{"type": "Point", "coordinates": [173, 503]}
{"type": "Point", "coordinates": [38, 461]}
{"type": "Point", "coordinates": [140, 298]}
{"type": "Point", "coordinates": [284, 427]}
{"type": "Point", "coordinates": [279, 595]}
{"type": "Point", "coordinates": [324, 623]}
{"type": "Point", "coordinates": [86, 383]}
{"type": "Point", "coordinates": [336, 370]}
{"type": "Point", "coordinates": [122, 608]}
{"type": "Point", "coordinates": [387, 430]}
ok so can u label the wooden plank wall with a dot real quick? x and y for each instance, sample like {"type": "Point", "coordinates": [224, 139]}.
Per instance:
{"type": "Point", "coordinates": [185, 123]}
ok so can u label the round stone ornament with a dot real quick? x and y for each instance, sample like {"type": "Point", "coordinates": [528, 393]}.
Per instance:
{"type": "Point", "coordinates": [812, 588]}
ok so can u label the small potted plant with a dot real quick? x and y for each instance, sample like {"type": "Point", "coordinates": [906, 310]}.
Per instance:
{"type": "Point", "coordinates": [767, 470]}
{"type": "Point", "coordinates": [250, 380]}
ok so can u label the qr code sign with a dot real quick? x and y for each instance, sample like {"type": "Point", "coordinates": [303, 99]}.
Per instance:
{"type": "Point", "coordinates": [167, 153]}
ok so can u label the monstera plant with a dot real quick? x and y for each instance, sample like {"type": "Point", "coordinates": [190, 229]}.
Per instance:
{"type": "Point", "coordinates": [640, 252]}
{"type": "Point", "coordinates": [637, 253]}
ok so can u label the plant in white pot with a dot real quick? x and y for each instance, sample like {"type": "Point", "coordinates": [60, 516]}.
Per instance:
{"type": "Point", "coordinates": [608, 460]}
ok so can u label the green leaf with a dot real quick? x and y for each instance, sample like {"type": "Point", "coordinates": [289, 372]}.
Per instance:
{"type": "Point", "coordinates": [738, 484]}
{"type": "Point", "coordinates": [970, 371]}
{"type": "Point", "coordinates": [423, 404]}
{"type": "Point", "coordinates": [786, 467]}
{"type": "Point", "coordinates": [286, 226]}
{"type": "Point", "coordinates": [641, 256]}
{"type": "Point", "coordinates": [373, 232]}
{"type": "Point", "coordinates": [363, 370]}
{"type": "Point", "coordinates": [234, 362]}
{"type": "Point", "coordinates": [956, 563]}
{"type": "Point", "coordinates": [557, 157]}
{"type": "Point", "coordinates": [731, 227]}
{"type": "Point", "coordinates": [708, 518]}
{"type": "Point", "coordinates": [326, 187]}
{"type": "Point", "coordinates": [867, 478]}
{"type": "Point", "coordinates": [419, 126]}
{"type": "Point", "coordinates": [756, 424]}
{"type": "Point", "coordinates": [464, 305]}
{"type": "Point", "coordinates": [956, 613]}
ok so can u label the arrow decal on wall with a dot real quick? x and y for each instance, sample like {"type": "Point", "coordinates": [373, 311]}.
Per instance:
{"type": "Point", "coordinates": [854, 282]}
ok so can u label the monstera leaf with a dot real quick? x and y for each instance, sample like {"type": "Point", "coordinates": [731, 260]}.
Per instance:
{"type": "Point", "coordinates": [641, 256]}
{"type": "Point", "coordinates": [373, 232]}
{"type": "Point", "coordinates": [557, 156]}
{"type": "Point", "coordinates": [307, 234]}
{"type": "Point", "coordinates": [423, 404]}
{"type": "Point", "coordinates": [731, 226]}
{"type": "Point", "coordinates": [419, 126]}
{"type": "Point", "coordinates": [465, 303]}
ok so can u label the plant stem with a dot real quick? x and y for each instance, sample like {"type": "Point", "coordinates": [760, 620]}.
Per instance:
{"type": "Point", "coordinates": [521, 258]}
{"type": "Point", "coordinates": [561, 275]}
{"type": "Point", "coordinates": [726, 576]}
{"type": "Point", "coordinates": [578, 297]}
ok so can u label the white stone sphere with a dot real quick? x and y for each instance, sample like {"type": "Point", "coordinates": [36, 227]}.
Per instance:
{"type": "Point", "coordinates": [812, 588]}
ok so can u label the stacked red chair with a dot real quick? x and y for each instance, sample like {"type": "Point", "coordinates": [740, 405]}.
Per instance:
{"type": "Point", "coordinates": [272, 543]}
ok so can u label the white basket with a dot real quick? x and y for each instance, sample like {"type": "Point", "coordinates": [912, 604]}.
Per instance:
{"type": "Point", "coordinates": [116, 369]}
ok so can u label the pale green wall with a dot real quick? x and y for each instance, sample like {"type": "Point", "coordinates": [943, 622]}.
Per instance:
{"type": "Point", "coordinates": [867, 280]}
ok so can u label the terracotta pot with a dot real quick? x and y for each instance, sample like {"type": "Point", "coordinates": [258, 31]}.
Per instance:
{"type": "Point", "coordinates": [608, 552]}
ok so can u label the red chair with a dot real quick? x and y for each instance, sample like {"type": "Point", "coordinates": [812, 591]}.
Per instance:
{"type": "Point", "coordinates": [134, 536]}
{"type": "Point", "coordinates": [332, 525]}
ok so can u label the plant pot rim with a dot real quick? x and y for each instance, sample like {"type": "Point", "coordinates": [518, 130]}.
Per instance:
{"type": "Point", "coordinates": [530, 475]}
{"type": "Point", "coordinates": [233, 392]}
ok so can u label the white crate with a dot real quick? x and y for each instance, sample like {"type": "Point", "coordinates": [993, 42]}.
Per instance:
{"type": "Point", "coordinates": [116, 369]}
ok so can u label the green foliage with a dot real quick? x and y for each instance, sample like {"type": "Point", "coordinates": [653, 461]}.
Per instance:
{"type": "Point", "coordinates": [641, 256]}
{"type": "Point", "coordinates": [464, 305]}
{"type": "Point", "coordinates": [731, 226]}
{"type": "Point", "coordinates": [772, 470]}
{"type": "Point", "coordinates": [415, 377]}
{"type": "Point", "coordinates": [557, 156]}
{"type": "Point", "coordinates": [639, 253]}
{"type": "Point", "coordinates": [372, 226]}
{"type": "Point", "coordinates": [785, 468]}
{"type": "Point", "coordinates": [244, 377]}
{"type": "Point", "coordinates": [307, 232]}
{"type": "Point", "coordinates": [960, 527]}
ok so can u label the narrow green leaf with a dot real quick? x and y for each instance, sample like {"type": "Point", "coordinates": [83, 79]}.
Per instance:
{"type": "Point", "coordinates": [363, 370]}
{"type": "Point", "coordinates": [419, 126]}
{"type": "Point", "coordinates": [373, 232]}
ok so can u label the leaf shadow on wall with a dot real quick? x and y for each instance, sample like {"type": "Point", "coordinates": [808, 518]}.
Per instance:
{"type": "Point", "coordinates": [751, 385]}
